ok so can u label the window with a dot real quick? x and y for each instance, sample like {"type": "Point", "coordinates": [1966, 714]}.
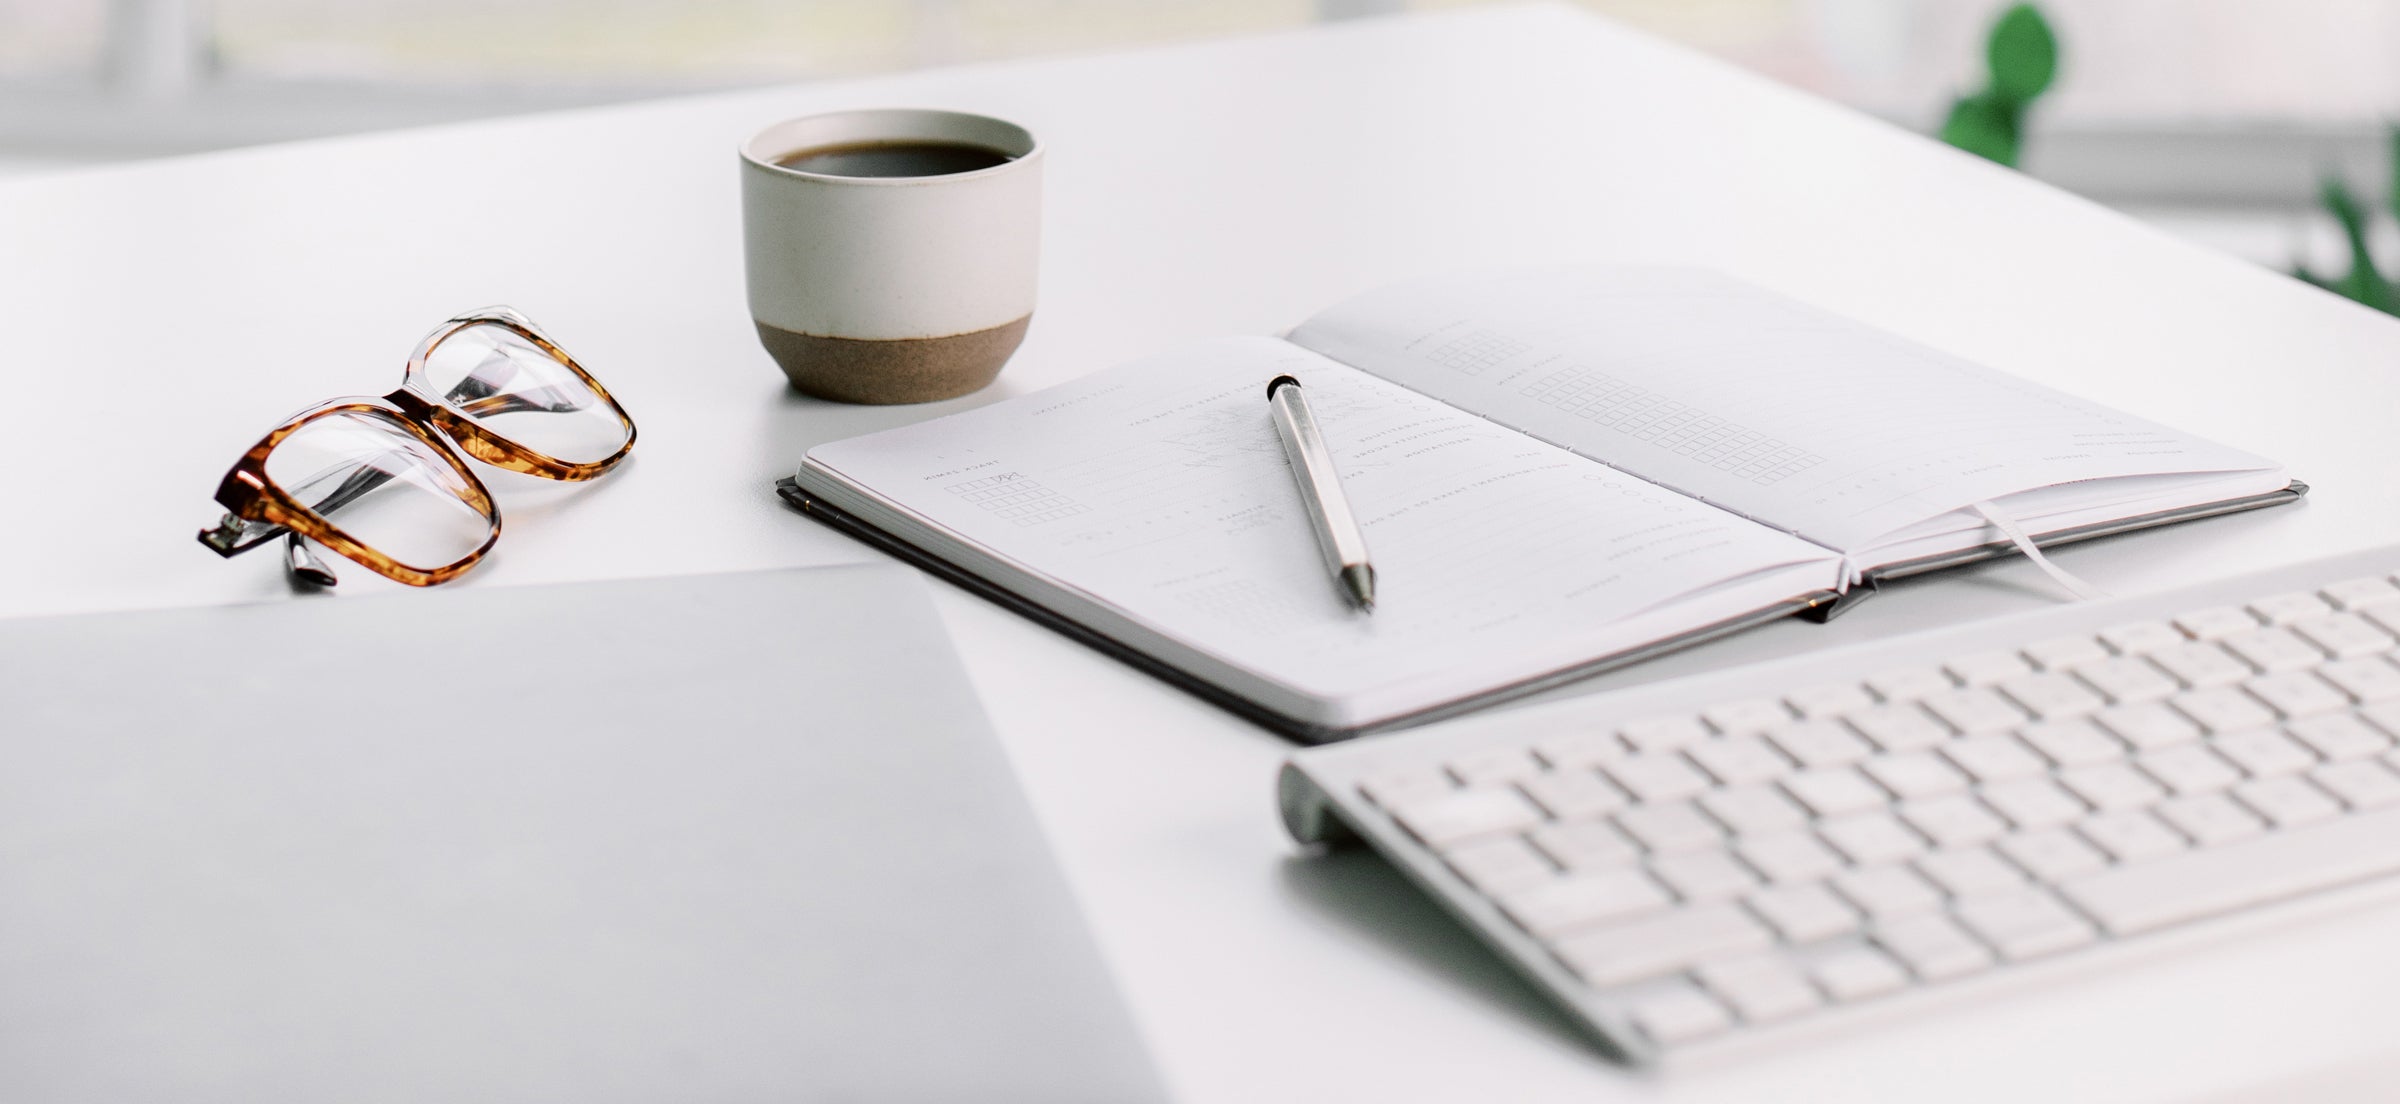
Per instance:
{"type": "Point", "coordinates": [2235, 98]}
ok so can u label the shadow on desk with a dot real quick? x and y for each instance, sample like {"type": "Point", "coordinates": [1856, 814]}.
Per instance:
{"type": "Point", "coordinates": [1359, 890]}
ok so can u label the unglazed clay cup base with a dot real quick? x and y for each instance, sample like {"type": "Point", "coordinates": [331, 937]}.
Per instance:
{"type": "Point", "coordinates": [904, 370]}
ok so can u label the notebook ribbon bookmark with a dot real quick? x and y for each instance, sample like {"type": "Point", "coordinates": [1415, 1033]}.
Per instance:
{"type": "Point", "coordinates": [2017, 535]}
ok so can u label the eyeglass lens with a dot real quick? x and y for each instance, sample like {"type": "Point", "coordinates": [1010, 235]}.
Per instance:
{"type": "Point", "coordinates": [368, 475]}
{"type": "Point", "coordinates": [494, 375]}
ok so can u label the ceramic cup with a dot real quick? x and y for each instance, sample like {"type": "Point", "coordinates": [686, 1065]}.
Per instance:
{"type": "Point", "coordinates": [890, 289]}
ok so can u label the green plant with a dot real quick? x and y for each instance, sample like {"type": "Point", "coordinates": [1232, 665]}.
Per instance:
{"type": "Point", "coordinates": [2365, 281]}
{"type": "Point", "coordinates": [2021, 55]}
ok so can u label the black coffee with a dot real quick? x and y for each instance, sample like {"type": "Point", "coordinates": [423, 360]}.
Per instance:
{"type": "Point", "coordinates": [904, 157]}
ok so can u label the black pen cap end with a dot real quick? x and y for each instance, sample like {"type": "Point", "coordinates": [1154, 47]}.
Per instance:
{"type": "Point", "coordinates": [1278, 382]}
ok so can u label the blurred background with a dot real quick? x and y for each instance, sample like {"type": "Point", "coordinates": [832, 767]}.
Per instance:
{"type": "Point", "coordinates": [2216, 119]}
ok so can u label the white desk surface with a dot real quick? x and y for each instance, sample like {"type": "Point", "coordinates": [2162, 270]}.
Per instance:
{"type": "Point", "coordinates": [161, 316]}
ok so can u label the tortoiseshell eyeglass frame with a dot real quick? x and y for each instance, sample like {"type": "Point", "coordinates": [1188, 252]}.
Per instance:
{"type": "Point", "coordinates": [258, 511]}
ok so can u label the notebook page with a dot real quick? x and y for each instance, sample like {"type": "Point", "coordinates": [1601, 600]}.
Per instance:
{"type": "Point", "coordinates": [1159, 488]}
{"type": "Point", "coordinates": [1772, 408]}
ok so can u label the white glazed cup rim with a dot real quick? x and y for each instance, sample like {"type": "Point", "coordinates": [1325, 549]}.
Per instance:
{"type": "Point", "coordinates": [887, 123]}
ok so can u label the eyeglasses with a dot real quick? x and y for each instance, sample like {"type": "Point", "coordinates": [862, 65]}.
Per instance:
{"type": "Point", "coordinates": [373, 480]}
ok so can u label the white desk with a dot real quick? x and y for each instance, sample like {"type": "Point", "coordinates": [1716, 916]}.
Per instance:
{"type": "Point", "coordinates": [161, 316]}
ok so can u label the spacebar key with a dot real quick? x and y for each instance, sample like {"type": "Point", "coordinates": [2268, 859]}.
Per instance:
{"type": "Point", "coordinates": [2194, 884]}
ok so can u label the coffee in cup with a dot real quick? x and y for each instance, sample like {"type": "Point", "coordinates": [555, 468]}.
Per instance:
{"type": "Point", "coordinates": [891, 253]}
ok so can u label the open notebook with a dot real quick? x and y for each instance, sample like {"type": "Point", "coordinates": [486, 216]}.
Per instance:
{"type": "Point", "coordinates": [1556, 471]}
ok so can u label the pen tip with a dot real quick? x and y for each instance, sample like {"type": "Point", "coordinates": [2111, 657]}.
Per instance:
{"type": "Point", "coordinates": [1359, 581]}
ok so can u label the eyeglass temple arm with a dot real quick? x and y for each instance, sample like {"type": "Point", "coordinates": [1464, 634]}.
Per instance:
{"type": "Point", "coordinates": [234, 535]}
{"type": "Point", "coordinates": [303, 564]}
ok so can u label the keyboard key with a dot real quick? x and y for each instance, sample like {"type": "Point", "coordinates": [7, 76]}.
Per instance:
{"type": "Point", "coordinates": [2052, 854]}
{"type": "Point", "coordinates": [2215, 623]}
{"type": "Point", "coordinates": [1702, 876]}
{"type": "Point", "coordinates": [2287, 801]}
{"type": "Point", "coordinates": [1821, 744]}
{"type": "Point", "coordinates": [2127, 680]}
{"type": "Point", "coordinates": [1834, 791]}
{"type": "Point", "coordinates": [2353, 594]}
{"type": "Point", "coordinates": [1662, 733]}
{"type": "Point", "coordinates": [2224, 709]}
{"type": "Point", "coordinates": [1886, 890]}
{"type": "Point", "coordinates": [1789, 857]}
{"type": "Point", "coordinates": [2052, 697]}
{"type": "Point", "coordinates": [2130, 836]}
{"type": "Point", "coordinates": [2273, 649]}
{"type": "Point", "coordinates": [2339, 736]}
{"type": "Point", "coordinates": [2187, 886]}
{"type": "Point", "coordinates": [1900, 727]}
{"type": "Point", "coordinates": [1578, 900]}
{"type": "Point", "coordinates": [1953, 821]}
{"type": "Point", "coordinates": [1973, 710]}
{"type": "Point", "coordinates": [1657, 776]}
{"type": "Point", "coordinates": [1909, 683]}
{"type": "Point", "coordinates": [1680, 1014]}
{"type": "Point", "coordinates": [2283, 609]}
{"type": "Point", "coordinates": [1580, 749]}
{"type": "Point", "coordinates": [1574, 793]}
{"type": "Point", "coordinates": [2109, 787]}
{"type": "Point", "coordinates": [1498, 865]}
{"type": "Point", "coordinates": [1833, 700]}
{"type": "Point", "coordinates": [2148, 726]}
{"type": "Point", "coordinates": [1493, 766]}
{"type": "Point", "coordinates": [2027, 923]}
{"type": "Point", "coordinates": [1401, 785]}
{"type": "Point", "coordinates": [2142, 637]}
{"type": "Point", "coordinates": [2072, 743]}
{"type": "Point", "coordinates": [2367, 678]}
{"type": "Point", "coordinates": [1585, 845]}
{"type": "Point", "coordinates": [2059, 653]}
{"type": "Point", "coordinates": [1995, 757]}
{"type": "Point", "coordinates": [1761, 989]}
{"type": "Point", "coordinates": [1973, 872]}
{"type": "Point", "coordinates": [1915, 774]}
{"type": "Point", "coordinates": [2190, 769]}
{"type": "Point", "coordinates": [1805, 913]}
{"type": "Point", "coordinates": [2031, 803]}
{"type": "Point", "coordinates": [1748, 715]}
{"type": "Point", "coordinates": [1871, 838]}
{"type": "Point", "coordinates": [1988, 667]}
{"type": "Point", "coordinates": [2383, 715]}
{"type": "Point", "coordinates": [1932, 947]}
{"type": "Point", "coordinates": [1445, 819]}
{"type": "Point", "coordinates": [2199, 664]}
{"type": "Point", "coordinates": [2361, 785]}
{"type": "Point", "coordinates": [2297, 694]}
{"type": "Point", "coordinates": [1663, 943]}
{"type": "Point", "coordinates": [2345, 635]}
{"type": "Point", "coordinates": [2211, 819]}
{"type": "Point", "coordinates": [2264, 752]}
{"type": "Point", "coordinates": [1858, 973]}
{"type": "Point", "coordinates": [1736, 760]}
{"type": "Point", "coordinates": [1670, 826]}
{"type": "Point", "coordinates": [1751, 810]}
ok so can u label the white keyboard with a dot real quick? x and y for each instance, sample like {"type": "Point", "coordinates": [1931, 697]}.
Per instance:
{"type": "Point", "coordinates": [1702, 862]}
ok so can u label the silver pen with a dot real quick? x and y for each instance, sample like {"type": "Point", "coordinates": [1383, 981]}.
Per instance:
{"type": "Point", "coordinates": [1321, 486]}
